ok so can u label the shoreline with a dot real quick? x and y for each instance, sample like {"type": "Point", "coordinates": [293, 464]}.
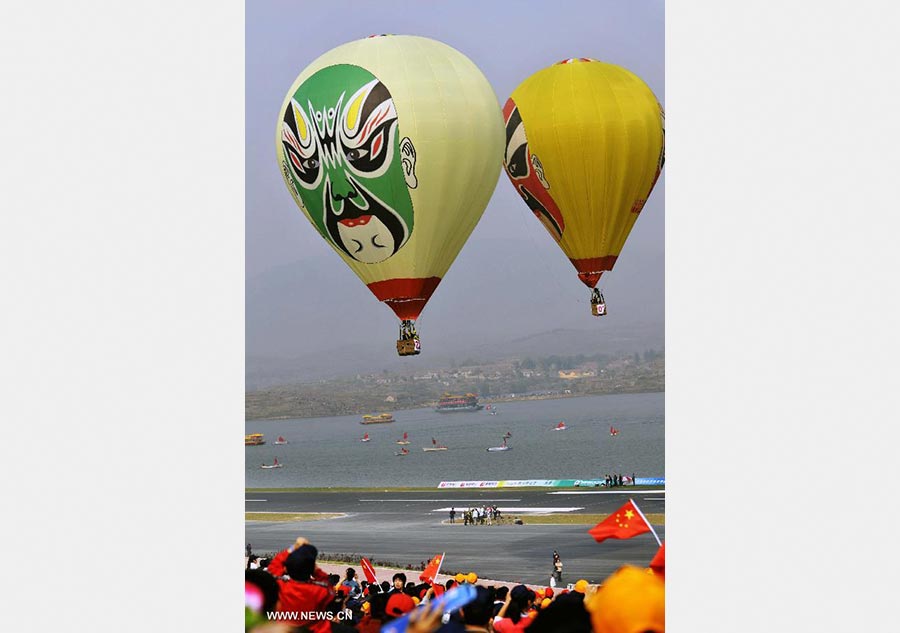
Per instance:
{"type": "Point", "coordinates": [485, 401]}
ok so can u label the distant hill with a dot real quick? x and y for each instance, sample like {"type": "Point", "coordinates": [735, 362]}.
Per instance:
{"type": "Point", "coordinates": [314, 319]}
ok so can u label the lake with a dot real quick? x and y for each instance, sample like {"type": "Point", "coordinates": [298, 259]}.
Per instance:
{"type": "Point", "coordinates": [327, 451]}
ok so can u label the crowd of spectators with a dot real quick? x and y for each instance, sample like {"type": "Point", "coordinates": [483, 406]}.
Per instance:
{"type": "Point", "coordinates": [289, 593]}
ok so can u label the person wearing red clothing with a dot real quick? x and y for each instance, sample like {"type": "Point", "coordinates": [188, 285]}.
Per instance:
{"type": "Point", "coordinates": [308, 589]}
{"type": "Point", "coordinates": [514, 616]}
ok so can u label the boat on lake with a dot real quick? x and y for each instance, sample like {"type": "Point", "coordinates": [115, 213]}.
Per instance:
{"type": "Point", "coordinates": [434, 447]}
{"type": "Point", "coordinates": [280, 441]}
{"type": "Point", "coordinates": [450, 403]}
{"type": "Point", "coordinates": [254, 439]}
{"type": "Point", "coordinates": [382, 418]}
{"type": "Point", "coordinates": [560, 427]}
{"type": "Point", "coordinates": [405, 439]}
{"type": "Point", "coordinates": [274, 464]}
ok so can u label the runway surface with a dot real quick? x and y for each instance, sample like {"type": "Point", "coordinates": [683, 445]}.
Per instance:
{"type": "Point", "coordinates": [407, 528]}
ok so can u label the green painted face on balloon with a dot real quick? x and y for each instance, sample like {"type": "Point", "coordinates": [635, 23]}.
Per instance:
{"type": "Point", "coordinates": [347, 164]}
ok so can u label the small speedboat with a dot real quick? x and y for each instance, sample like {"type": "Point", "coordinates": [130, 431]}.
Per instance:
{"type": "Point", "coordinates": [275, 464]}
{"type": "Point", "coordinates": [280, 441]}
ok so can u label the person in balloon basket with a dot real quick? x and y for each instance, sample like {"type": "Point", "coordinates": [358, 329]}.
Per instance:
{"type": "Point", "coordinates": [307, 589]}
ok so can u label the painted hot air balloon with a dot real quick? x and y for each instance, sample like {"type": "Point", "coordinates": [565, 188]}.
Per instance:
{"type": "Point", "coordinates": [585, 144]}
{"type": "Point", "coordinates": [392, 147]}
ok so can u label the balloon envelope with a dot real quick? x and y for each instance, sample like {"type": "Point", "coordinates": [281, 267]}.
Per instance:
{"type": "Point", "coordinates": [584, 147]}
{"type": "Point", "coordinates": [392, 147]}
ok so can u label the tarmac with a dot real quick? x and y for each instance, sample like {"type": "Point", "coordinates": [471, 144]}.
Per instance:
{"type": "Point", "coordinates": [409, 528]}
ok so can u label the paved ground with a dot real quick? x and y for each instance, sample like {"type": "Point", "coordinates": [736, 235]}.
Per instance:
{"type": "Point", "coordinates": [407, 528]}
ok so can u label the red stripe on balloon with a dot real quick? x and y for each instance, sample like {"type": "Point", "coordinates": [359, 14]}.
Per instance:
{"type": "Point", "coordinates": [590, 268]}
{"type": "Point", "coordinates": [406, 297]}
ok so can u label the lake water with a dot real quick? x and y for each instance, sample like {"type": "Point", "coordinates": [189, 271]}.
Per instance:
{"type": "Point", "coordinates": [327, 451]}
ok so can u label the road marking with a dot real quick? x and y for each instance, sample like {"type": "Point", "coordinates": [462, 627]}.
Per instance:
{"type": "Point", "coordinates": [435, 500]}
{"type": "Point", "coordinates": [603, 492]}
{"type": "Point", "coordinates": [654, 498]}
{"type": "Point", "coordinates": [524, 510]}
{"type": "Point", "coordinates": [248, 500]}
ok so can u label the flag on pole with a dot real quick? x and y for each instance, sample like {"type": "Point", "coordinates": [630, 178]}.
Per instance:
{"type": "Point", "coordinates": [432, 569]}
{"type": "Point", "coordinates": [658, 564]}
{"type": "Point", "coordinates": [368, 570]}
{"type": "Point", "coordinates": [625, 522]}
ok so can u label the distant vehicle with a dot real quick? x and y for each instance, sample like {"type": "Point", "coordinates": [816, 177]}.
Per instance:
{"type": "Point", "coordinates": [254, 439]}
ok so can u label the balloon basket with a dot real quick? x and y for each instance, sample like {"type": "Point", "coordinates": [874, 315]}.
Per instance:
{"type": "Point", "coordinates": [409, 347]}
{"type": "Point", "coordinates": [598, 309]}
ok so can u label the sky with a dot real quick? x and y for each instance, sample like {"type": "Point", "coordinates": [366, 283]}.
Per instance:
{"type": "Point", "coordinates": [508, 41]}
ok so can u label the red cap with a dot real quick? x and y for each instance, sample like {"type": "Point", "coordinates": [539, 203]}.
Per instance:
{"type": "Point", "coordinates": [548, 592]}
{"type": "Point", "coordinates": [398, 604]}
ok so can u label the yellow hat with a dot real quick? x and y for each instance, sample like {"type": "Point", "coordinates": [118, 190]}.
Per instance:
{"type": "Point", "coordinates": [581, 586]}
{"type": "Point", "coordinates": [416, 600]}
{"type": "Point", "coordinates": [545, 603]}
{"type": "Point", "coordinates": [460, 577]}
{"type": "Point", "coordinates": [629, 601]}
{"type": "Point", "coordinates": [472, 577]}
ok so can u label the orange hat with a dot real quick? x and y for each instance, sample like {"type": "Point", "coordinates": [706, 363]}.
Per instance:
{"type": "Point", "coordinates": [581, 586]}
{"type": "Point", "coordinates": [472, 577]}
{"type": "Point", "coordinates": [545, 603]}
{"type": "Point", "coordinates": [398, 604]}
{"type": "Point", "coordinates": [629, 601]}
{"type": "Point", "coordinates": [460, 577]}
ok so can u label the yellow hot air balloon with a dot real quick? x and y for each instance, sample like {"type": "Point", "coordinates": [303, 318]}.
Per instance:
{"type": "Point", "coordinates": [392, 147]}
{"type": "Point", "coordinates": [585, 143]}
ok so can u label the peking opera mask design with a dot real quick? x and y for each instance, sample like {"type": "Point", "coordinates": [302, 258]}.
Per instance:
{"type": "Point", "coordinates": [527, 174]}
{"type": "Point", "coordinates": [347, 164]}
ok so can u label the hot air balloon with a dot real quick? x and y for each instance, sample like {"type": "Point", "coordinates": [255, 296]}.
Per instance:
{"type": "Point", "coordinates": [585, 144]}
{"type": "Point", "coordinates": [392, 146]}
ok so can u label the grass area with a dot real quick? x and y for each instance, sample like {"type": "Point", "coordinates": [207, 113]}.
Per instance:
{"type": "Point", "coordinates": [281, 517]}
{"type": "Point", "coordinates": [435, 489]}
{"type": "Point", "coordinates": [580, 519]}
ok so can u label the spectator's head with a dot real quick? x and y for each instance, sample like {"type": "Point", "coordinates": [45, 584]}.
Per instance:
{"type": "Point", "coordinates": [500, 593]}
{"type": "Point", "coordinates": [377, 603]}
{"type": "Point", "coordinates": [302, 562]}
{"type": "Point", "coordinates": [350, 573]}
{"type": "Point", "coordinates": [385, 586]}
{"type": "Point", "coordinates": [334, 579]}
{"type": "Point", "coordinates": [266, 584]}
{"type": "Point", "coordinates": [450, 584]}
{"type": "Point", "coordinates": [629, 600]}
{"type": "Point", "coordinates": [397, 605]}
{"type": "Point", "coordinates": [566, 614]}
{"type": "Point", "coordinates": [480, 611]}
{"type": "Point", "coordinates": [520, 600]}
{"type": "Point", "coordinates": [410, 589]}
{"type": "Point", "coordinates": [399, 581]}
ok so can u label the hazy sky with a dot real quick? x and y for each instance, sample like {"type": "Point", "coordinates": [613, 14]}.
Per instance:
{"type": "Point", "coordinates": [508, 41]}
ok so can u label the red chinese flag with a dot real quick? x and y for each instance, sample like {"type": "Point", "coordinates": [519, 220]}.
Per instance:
{"type": "Point", "coordinates": [625, 522]}
{"type": "Point", "coordinates": [368, 570]}
{"type": "Point", "coordinates": [658, 564]}
{"type": "Point", "coordinates": [432, 569]}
